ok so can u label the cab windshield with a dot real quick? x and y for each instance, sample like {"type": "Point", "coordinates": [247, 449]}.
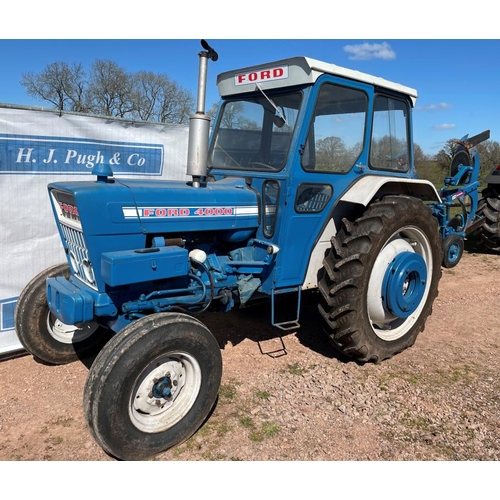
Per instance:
{"type": "Point", "coordinates": [254, 133]}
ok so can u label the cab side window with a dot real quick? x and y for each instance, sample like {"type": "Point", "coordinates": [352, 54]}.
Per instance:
{"type": "Point", "coordinates": [389, 148]}
{"type": "Point", "coordinates": [335, 138]}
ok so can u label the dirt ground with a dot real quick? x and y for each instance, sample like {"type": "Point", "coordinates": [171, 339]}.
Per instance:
{"type": "Point", "coordinates": [290, 397]}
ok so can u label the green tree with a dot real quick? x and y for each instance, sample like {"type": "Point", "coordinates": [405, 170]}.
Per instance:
{"type": "Point", "coordinates": [489, 154]}
{"type": "Point", "coordinates": [418, 155]}
{"type": "Point", "coordinates": [446, 153]}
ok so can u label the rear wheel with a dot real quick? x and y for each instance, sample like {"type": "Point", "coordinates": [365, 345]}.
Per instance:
{"type": "Point", "coordinates": [43, 335]}
{"type": "Point", "coordinates": [152, 385]}
{"type": "Point", "coordinates": [380, 279]}
{"type": "Point", "coordinates": [489, 208]}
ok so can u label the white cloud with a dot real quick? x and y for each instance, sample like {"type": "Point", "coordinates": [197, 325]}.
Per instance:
{"type": "Point", "coordinates": [435, 107]}
{"type": "Point", "coordinates": [444, 126]}
{"type": "Point", "coordinates": [365, 51]}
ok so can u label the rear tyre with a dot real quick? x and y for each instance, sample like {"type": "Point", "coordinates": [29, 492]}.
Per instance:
{"type": "Point", "coordinates": [489, 208]}
{"type": "Point", "coordinates": [43, 335]}
{"type": "Point", "coordinates": [152, 386]}
{"type": "Point", "coordinates": [380, 279]}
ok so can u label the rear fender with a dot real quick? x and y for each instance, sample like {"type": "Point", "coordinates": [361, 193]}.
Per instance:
{"type": "Point", "coordinates": [370, 187]}
{"type": "Point", "coordinates": [361, 194]}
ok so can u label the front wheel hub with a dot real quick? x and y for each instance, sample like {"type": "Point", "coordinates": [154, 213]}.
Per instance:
{"type": "Point", "coordinates": [162, 388]}
{"type": "Point", "coordinates": [403, 287]}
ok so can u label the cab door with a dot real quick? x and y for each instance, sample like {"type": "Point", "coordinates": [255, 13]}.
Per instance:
{"type": "Point", "coordinates": [332, 149]}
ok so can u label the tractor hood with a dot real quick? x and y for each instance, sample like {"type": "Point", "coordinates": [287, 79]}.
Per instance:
{"type": "Point", "coordinates": [125, 206]}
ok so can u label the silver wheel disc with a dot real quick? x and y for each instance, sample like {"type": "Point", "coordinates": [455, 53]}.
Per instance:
{"type": "Point", "coordinates": [69, 334]}
{"type": "Point", "coordinates": [180, 375]}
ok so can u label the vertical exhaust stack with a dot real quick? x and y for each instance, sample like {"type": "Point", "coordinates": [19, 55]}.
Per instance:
{"type": "Point", "coordinates": [199, 123]}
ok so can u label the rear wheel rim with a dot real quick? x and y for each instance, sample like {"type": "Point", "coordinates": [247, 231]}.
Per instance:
{"type": "Point", "coordinates": [389, 322]}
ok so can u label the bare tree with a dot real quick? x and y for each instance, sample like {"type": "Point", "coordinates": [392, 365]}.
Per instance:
{"type": "Point", "coordinates": [109, 90]}
{"type": "Point", "coordinates": [331, 154]}
{"type": "Point", "coordinates": [231, 113]}
{"type": "Point", "coordinates": [60, 84]}
{"type": "Point", "coordinates": [213, 110]}
{"type": "Point", "coordinates": [176, 103]}
{"type": "Point", "coordinates": [147, 94]}
{"type": "Point", "coordinates": [158, 98]}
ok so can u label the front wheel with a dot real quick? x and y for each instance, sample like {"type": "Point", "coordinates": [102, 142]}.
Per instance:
{"type": "Point", "coordinates": [152, 385]}
{"type": "Point", "coordinates": [380, 279]}
{"type": "Point", "coordinates": [46, 337]}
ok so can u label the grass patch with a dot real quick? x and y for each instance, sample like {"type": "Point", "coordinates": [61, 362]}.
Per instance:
{"type": "Point", "coordinates": [270, 429]}
{"type": "Point", "coordinates": [409, 377]}
{"type": "Point", "coordinates": [177, 451]}
{"type": "Point", "coordinates": [267, 430]}
{"type": "Point", "coordinates": [218, 457]}
{"type": "Point", "coordinates": [54, 440]}
{"type": "Point", "coordinates": [455, 374]}
{"type": "Point", "coordinates": [262, 394]}
{"type": "Point", "coordinates": [296, 369]}
{"type": "Point", "coordinates": [246, 422]}
{"type": "Point", "coordinates": [416, 422]}
{"type": "Point", "coordinates": [231, 417]}
{"type": "Point", "coordinates": [205, 430]}
{"type": "Point", "coordinates": [222, 428]}
{"type": "Point", "coordinates": [228, 391]}
{"type": "Point", "coordinates": [64, 422]}
{"type": "Point", "coordinates": [256, 437]}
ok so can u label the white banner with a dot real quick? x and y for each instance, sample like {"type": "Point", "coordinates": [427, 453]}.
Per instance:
{"type": "Point", "coordinates": [39, 146]}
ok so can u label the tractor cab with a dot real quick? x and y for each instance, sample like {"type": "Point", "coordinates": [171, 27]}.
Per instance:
{"type": "Point", "coordinates": [309, 136]}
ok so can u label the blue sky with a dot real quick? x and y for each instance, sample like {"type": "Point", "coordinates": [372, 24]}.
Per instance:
{"type": "Point", "coordinates": [458, 81]}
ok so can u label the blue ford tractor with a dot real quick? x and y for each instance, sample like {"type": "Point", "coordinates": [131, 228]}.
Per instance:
{"type": "Point", "coordinates": [305, 181]}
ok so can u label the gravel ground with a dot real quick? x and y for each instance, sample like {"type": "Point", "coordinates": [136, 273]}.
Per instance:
{"type": "Point", "coordinates": [292, 398]}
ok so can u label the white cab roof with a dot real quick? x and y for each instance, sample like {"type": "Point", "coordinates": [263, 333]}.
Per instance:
{"type": "Point", "coordinates": [296, 71]}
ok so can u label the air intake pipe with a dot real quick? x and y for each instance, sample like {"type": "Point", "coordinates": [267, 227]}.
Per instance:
{"type": "Point", "coordinates": [199, 123]}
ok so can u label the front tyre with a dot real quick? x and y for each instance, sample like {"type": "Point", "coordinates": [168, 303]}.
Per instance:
{"type": "Point", "coordinates": [380, 279]}
{"type": "Point", "coordinates": [152, 385]}
{"type": "Point", "coordinates": [43, 335]}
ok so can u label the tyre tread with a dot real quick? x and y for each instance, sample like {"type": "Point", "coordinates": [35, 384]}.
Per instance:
{"type": "Point", "coordinates": [342, 284]}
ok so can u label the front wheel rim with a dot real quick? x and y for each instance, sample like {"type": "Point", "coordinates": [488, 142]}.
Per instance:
{"type": "Point", "coordinates": [69, 334]}
{"type": "Point", "coordinates": [165, 392]}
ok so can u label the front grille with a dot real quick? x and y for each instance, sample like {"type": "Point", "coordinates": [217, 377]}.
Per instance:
{"type": "Point", "coordinates": [78, 255]}
{"type": "Point", "coordinates": [65, 207]}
